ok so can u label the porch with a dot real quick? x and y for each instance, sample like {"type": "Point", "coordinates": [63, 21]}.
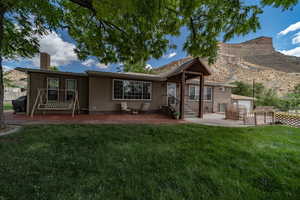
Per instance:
{"type": "Point", "coordinates": [23, 119]}
{"type": "Point", "coordinates": [194, 69]}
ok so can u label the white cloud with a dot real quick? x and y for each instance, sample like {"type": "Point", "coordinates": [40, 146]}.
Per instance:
{"type": "Point", "coordinates": [170, 55]}
{"type": "Point", "coordinates": [148, 66]}
{"type": "Point", "coordinates": [101, 65]}
{"type": "Point", "coordinates": [91, 62]}
{"type": "Point", "coordinates": [296, 38]}
{"type": "Point", "coordinates": [292, 52]}
{"type": "Point", "coordinates": [61, 52]}
{"type": "Point", "coordinates": [291, 28]}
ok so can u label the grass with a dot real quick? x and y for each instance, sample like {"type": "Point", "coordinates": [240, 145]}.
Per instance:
{"type": "Point", "coordinates": [8, 106]}
{"type": "Point", "coordinates": [150, 162]}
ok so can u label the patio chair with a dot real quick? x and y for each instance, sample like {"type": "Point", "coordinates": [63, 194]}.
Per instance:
{"type": "Point", "coordinates": [124, 107]}
{"type": "Point", "coordinates": [145, 107]}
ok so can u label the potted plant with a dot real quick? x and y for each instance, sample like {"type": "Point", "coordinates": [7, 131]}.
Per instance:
{"type": "Point", "coordinates": [176, 115]}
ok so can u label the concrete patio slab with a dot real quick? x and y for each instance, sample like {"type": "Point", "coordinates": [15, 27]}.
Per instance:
{"type": "Point", "coordinates": [215, 119]}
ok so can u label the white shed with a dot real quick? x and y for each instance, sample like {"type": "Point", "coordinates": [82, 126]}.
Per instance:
{"type": "Point", "coordinates": [243, 101]}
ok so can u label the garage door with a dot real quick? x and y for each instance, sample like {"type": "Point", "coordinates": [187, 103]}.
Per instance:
{"type": "Point", "coordinates": [246, 104]}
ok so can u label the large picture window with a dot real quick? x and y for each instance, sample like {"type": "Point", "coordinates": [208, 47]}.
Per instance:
{"type": "Point", "coordinates": [194, 93]}
{"type": "Point", "coordinates": [71, 86]}
{"type": "Point", "coordinates": [131, 90]}
{"type": "Point", "coordinates": [52, 89]}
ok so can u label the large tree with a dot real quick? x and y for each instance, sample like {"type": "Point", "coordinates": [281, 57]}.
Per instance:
{"type": "Point", "coordinates": [125, 31]}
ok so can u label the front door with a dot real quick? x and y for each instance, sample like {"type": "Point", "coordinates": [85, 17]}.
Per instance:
{"type": "Point", "coordinates": [171, 93]}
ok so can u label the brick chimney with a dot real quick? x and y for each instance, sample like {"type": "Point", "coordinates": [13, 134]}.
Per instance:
{"type": "Point", "coordinates": [44, 60]}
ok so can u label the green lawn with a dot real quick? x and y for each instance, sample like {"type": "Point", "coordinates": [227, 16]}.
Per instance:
{"type": "Point", "coordinates": [8, 106]}
{"type": "Point", "coordinates": [150, 162]}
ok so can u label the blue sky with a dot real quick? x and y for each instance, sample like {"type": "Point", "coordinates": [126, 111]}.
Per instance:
{"type": "Point", "coordinates": [282, 26]}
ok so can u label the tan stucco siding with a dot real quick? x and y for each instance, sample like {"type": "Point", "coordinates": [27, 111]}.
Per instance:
{"type": "Point", "coordinates": [39, 80]}
{"type": "Point", "coordinates": [101, 96]}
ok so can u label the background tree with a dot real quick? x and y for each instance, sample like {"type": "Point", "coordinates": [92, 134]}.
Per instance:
{"type": "Point", "coordinates": [268, 98]}
{"type": "Point", "coordinates": [21, 22]}
{"type": "Point", "coordinates": [7, 82]}
{"type": "Point", "coordinates": [297, 89]}
{"type": "Point", "coordinates": [122, 31]}
{"type": "Point", "coordinates": [246, 89]}
{"type": "Point", "coordinates": [54, 68]}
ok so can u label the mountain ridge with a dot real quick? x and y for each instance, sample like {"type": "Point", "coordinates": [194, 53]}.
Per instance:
{"type": "Point", "coordinates": [254, 59]}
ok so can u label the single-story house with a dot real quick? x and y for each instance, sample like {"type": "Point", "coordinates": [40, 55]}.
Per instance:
{"type": "Point", "coordinates": [243, 101]}
{"type": "Point", "coordinates": [103, 92]}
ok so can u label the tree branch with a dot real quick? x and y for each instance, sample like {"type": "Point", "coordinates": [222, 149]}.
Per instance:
{"type": "Point", "coordinates": [89, 5]}
{"type": "Point", "coordinates": [86, 4]}
{"type": "Point", "coordinates": [193, 28]}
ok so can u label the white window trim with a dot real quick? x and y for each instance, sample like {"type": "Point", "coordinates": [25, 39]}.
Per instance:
{"type": "Point", "coordinates": [198, 95]}
{"type": "Point", "coordinates": [66, 89]}
{"type": "Point", "coordinates": [168, 88]}
{"type": "Point", "coordinates": [113, 86]}
{"type": "Point", "coordinates": [48, 78]}
{"type": "Point", "coordinates": [211, 97]}
{"type": "Point", "coordinates": [190, 86]}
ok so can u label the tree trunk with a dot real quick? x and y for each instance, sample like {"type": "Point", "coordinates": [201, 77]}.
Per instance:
{"type": "Point", "coordinates": [2, 121]}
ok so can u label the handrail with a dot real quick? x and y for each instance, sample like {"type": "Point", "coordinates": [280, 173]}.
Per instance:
{"type": "Point", "coordinates": [178, 102]}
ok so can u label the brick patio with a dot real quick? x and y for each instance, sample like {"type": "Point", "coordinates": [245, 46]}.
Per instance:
{"type": "Point", "coordinates": [91, 119]}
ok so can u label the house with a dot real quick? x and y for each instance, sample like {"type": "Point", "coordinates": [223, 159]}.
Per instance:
{"type": "Point", "coordinates": [102, 92]}
{"type": "Point", "coordinates": [243, 101]}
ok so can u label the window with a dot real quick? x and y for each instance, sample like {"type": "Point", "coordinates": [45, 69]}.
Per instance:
{"type": "Point", "coordinates": [208, 93]}
{"type": "Point", "coordinates": [194, 93]}
{"type": "Point", "coordinates": [52, 89]}
{"type": "Point", "coordinates": [222, 107]}
{"type": "Point", "coordinates": [71, 86]}
{"type": "Point", "coordinates": [131, 90]}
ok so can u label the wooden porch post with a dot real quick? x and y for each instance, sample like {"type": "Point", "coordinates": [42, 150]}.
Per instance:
{"type": "Point", "coordinates": [201, 86]}
{"type": "Point", "coordinates": [182, 95]}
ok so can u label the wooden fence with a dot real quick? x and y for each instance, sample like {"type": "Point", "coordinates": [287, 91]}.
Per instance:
{"type": "Point", "coordinates": [291, 119]}
{"type": "Point", "coordinates": [263, 115]}
{"type": "Point", "coordinates": [259, 118]}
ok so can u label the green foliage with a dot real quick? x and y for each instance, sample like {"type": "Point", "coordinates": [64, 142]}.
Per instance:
{"type": "Point", "coordinates": [53, 68]}
{"type": "Point", "coordinates": [128, 30]}
{"type": "Point", "coordinates": [24, 22]}
{"type": "Point", "coordinates": [150, 162]}
{"type": "Point", "coordinates": [297, 89]}
{"type": "Point", "coordinates": [269, 97]}
{"type": "Point", "coordinates": [8, 106]}
{"type": "Point", "coordinates": [8, 82]}
{"type": "Point", "coordinates": [134, 30]}
{"type": "Point", "coordinates": [246, 89]}
{"type": "Point", "coordinates": [292, 100]}
{"type": "Point", "coordinates": [139, 67]}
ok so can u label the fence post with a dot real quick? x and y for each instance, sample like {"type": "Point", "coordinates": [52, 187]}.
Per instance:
{"type": "Point", "coordinates": [255, 119]}
{"type": "Point", "coordinates": [265, 117]}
